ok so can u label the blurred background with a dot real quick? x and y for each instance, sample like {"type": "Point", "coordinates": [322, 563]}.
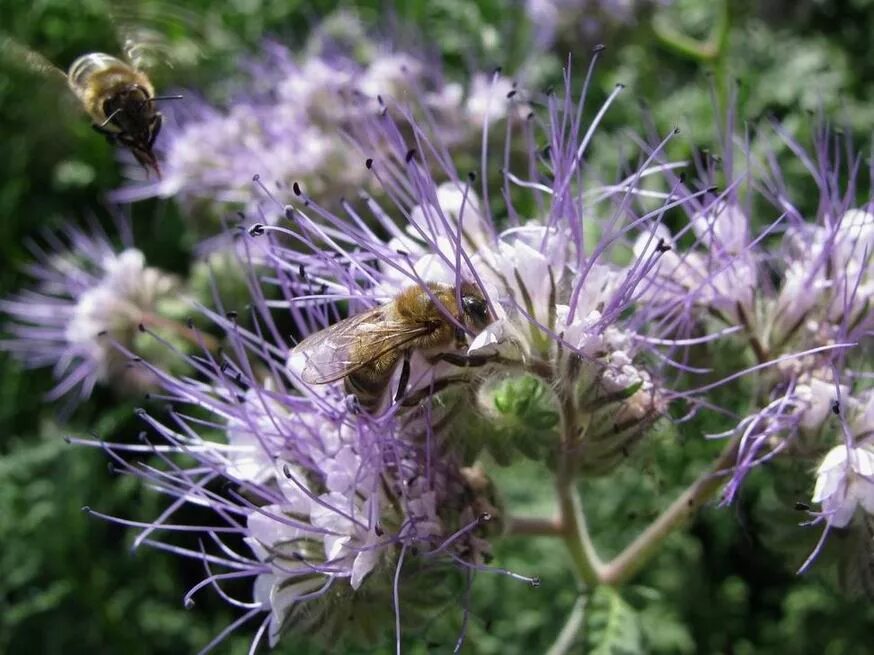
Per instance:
{"type": "Point", "coordinates": [69, 583]}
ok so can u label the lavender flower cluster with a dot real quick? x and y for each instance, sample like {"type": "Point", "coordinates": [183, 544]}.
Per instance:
{"type": "Point", "coordinates": [353, 519]}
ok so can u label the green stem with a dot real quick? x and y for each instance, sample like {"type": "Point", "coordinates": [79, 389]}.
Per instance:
{"type": "Point", "coordinates": [533, 526]}
{"type": "Point", "coordinates": [575, 533]}
{"type": "Point", "coordinates": [625, 565]}
{"type": "Point", "coordinates": [708, 51]}
{"type": "Point", "coordinates": [564, 642]}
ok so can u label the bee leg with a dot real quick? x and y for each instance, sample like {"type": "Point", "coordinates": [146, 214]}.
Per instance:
{"type": "Point", "coordinates": [404, 380]}
{"type": "Point", "coordinates": [109, 134]}
{"type": "Point", "coordinates": [155, 127]}
{"type": "Point", "coordinates": [457, 359]}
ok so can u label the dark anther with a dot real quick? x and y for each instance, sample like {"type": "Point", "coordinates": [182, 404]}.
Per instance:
{"type": "Point", "coordinates": [190, 323]}
{"type": "Point", "coordinates": [662, 246]}
{"type": "Point", "coordinates": [369, 163]}
{"type": "Point", "coordinates": [378, 530]}
{"type": "Point", "coordinates": [529, 116]}
{"type": "Point", "coordinates": [498, 70]}
{"type": "Point", "coordinates": [137, 360]}
{"type": "Point", "coordinates": [256, 230]}
{"type": "Point", "coordinates": [402, 253]}
{"type": "Point", "coordinates": [86, 509]}
{"type": "Point", "coordinates": [535, 582]}
{"type": "Point", "coordinates": [712, 189]}
{"type": "Point", "coordinates": [297, 555]}
{"type": "Point", "coordinates": [302, 272]}
{"type": "Point", "coordinates": [102, 333]}
{"type": "Point", "coordinates": [599, 48]}
{"type": "Point", "coordinates": [471, 176]}
{"type": "Point", "coordinates": [510, 94]}
{"type": "Point", "coordinates": [242, 216]}
{"type": "Point", "coordinates": [550, 90]}
{"type": "Point", "coordinates": [682, 177]}
{"type": "Point", "coordinates": [256, 177]}
{"type": "Point", "coordinates": [296, 188]}
{"type": "Point", "coordinates": [485, 517]}
{"type": "Point", "coordinates": [289, 212]}
{"type": "Point", "coordinates": [546, 151]}
{"type": "Point", "coordinates": [802, 507]}
{"type": "Point", "coordinates": [286, 471]}
{"type": "Point", "coordinates": [620, 85]}
{"type": "Point", "coordinates": [836, 407]}
{"type": "Point", "coordinates": [675, 131]}
{"type": "Point", "coordinates": [410, 154]}
{"type": "Point", "coordinates": [231, 315]}
{"type": "Point", "coordinates": [380, 100]}
{"type": "Point", "coordinates": [141, 327]}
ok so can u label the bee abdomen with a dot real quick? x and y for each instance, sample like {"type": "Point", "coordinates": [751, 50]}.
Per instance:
{"type": "Point", "coordinates": [97, 77]}
{"type": "Point", "coordinates": [81, 70]}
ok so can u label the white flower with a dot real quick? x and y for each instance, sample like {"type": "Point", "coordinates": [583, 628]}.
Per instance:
{"type": "Point", "coordinates": [724, 226]}
{"type": "Point", "coordinates": [487, 98]}
{"type": "Point", "coordinates": [118, 302]}
{"type": "Point", "coordinates": [845, 480]}
{"type": "Point", "coordinates": [817, 398]}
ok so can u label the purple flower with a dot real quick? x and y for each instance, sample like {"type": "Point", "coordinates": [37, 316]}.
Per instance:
{"type": "Point", "coordinates": [348, 509]}
{"type": "Point", "coordinates": [589, 18]}
{"type": "Point", "coordinates": [289, 127]}
{"type": "Point", "coordinates": [86, 294]}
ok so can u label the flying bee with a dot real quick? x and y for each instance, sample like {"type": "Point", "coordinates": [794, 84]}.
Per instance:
{"type": "Point", "coordinates": [365, 350]}
{"type": "Point", "coordinates": [120, 100]}
{"type": "Point", "coordinates": [115, 93]}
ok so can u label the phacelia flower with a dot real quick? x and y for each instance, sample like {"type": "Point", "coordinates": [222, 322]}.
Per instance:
{"type": "Point", "coordinates": [348, 510]}
{"type": "Point", "coordinates": [590, 19]}
{"type": "Point", "coordinates": [289, 127]}
{"type": "Point", "coordinates": [86, 295]}
{"type": "Point", "coordinates": [845, 482]}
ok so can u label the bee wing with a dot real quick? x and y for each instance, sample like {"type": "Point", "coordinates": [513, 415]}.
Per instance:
{"type": "Point", "coordinates": [19, 55]}
{"type": "Point", "coordinates": [160, 34]}
{"type": "Point", "coordinates": [335, 352]}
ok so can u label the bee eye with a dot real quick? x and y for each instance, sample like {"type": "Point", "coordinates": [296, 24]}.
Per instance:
{"type": "Point", "coordinates": [477, 309]}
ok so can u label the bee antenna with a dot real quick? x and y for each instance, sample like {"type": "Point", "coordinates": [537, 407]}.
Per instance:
{"type": "Point", "coordinates": [109, 118]}
{"type": "Point", "coordinates": [157, 98]}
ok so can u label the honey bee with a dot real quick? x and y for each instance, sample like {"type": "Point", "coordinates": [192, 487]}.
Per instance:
{"type": "Point", "coordinates": [116, 94]}
{"type": "Point", "coordinates": [365, 350]}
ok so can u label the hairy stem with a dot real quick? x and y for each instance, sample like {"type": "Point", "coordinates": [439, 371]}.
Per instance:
{"type": "Point", "coordinates": [625, 565]}
{"type": "Point", "coordinates": [566, 639]}
{"type": "Point", "coordinates": [575, 533]}
{"type": "Point", "coordinates": [533, 526]}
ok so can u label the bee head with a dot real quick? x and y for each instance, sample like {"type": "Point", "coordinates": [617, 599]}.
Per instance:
{"type": "Point", "coordinates": [475, 310]}
{"type": "Point", "coordinates": [132, 112]}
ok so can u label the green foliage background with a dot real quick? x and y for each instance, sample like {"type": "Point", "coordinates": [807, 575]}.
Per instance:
{"type": "Point", "coordinates": [69, 583]}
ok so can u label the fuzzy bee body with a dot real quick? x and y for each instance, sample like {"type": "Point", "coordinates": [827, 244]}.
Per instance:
{"type": "Point", "coordinates": [115, 92]}
{"type": "Point", "coordinates": [119, 98]}
{"type": "Point", "coordinates": [365, 350]}
{"type": "Point", "coordinates": [97, 77]}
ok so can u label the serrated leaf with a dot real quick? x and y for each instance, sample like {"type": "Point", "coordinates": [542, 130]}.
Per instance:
{"type": "Point", "coordinates": [612, 625]}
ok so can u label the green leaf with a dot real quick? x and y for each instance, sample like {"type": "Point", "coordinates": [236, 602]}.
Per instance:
{"type": "Point", "coordinates": [612, 625]}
